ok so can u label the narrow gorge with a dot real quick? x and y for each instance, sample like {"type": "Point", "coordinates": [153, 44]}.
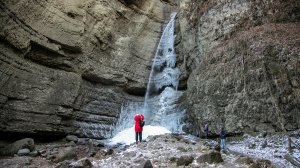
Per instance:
{"type": "Point", "coordinates": [85, 68]}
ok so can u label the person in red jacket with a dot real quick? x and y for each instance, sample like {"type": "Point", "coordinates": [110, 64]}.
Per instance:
{"type": "Point", "coordinates": [137, 127]}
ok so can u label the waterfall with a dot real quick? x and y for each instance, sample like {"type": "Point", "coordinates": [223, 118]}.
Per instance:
{"type": "Point", "coordinates": [165, 57]}
{"type": "Point", "coordinates": [160, 105]}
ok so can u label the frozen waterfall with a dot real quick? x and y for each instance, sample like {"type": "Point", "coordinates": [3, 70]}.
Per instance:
{"type": "Point", "coordinates": [160, 106]}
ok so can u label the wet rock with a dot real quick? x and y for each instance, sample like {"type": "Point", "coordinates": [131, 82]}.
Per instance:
{"type": "Point", "coordinates": [23, 152]}
{"type": "Point", "coordinates": [13, 148]}
{"type": "Point", "coordinates": [184, 160]}
{"type": "Point", "coordinates": [68, 153]}
{"type": "Point", "coordinates": [210, 157]}
{"type": "Point", "coordinates": [72, 138]}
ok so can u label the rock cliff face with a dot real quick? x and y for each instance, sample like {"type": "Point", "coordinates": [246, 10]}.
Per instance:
{"type": "Point", "coordinates": [67, 66]}
{"type": "Point", "coordinates": [243, 61]}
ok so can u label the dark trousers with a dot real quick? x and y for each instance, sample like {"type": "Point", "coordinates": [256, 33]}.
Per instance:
{"type": "Point", "coordinates": [138, 136]}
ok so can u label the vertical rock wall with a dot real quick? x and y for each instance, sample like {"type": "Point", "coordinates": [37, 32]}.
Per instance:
{"type": "Point", "coordinates": [242, 58]}
{"type": "Point", "coordinates": [68, 66]}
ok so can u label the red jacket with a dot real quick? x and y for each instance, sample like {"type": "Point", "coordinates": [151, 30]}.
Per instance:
{"type": "Point", "coordinates": [137, 126]}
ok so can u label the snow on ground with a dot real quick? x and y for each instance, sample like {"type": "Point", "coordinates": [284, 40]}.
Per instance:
{"type": "Point", "coordinates": [272, 148]}
{"type": "Point", "coordinates": [128, 136]}
{"type": "Point", "coordinates": [164, 151]}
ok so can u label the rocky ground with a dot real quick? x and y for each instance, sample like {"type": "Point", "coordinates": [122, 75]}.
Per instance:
{"type": "Point", "coordinates": [168, 150]}
{"type": "Point", "coordinates": [269, 147]}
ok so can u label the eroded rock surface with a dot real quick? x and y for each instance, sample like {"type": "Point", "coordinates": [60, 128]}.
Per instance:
{"type": "Point", "coordinates": [243, 61]}
{"type": "Point", "coordinates": [170, 150]}
{"type": "Point", "coordinates": [68, 66]}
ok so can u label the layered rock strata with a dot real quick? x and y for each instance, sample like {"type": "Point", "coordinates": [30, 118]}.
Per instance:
{"type": "Point", "coordinates": [68, 66]}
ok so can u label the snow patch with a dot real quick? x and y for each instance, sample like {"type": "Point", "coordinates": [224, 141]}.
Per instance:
{"type": "Point", "coordinates": [127, 136]}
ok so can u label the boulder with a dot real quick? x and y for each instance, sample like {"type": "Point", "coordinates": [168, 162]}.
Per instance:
{"type": "Point", "coordinates": [13, 148]}
{"type": "Point", "coordinates": [210, 157]}
{"type": "Point", "coordinates": [262, 163]}
{"type": "Point", "coordinates": [147, 164]}
{"type": "Point", "coordinates": [100, 143]}
{"type": "Point", "coordinates": [173, 159]}
{"type": "Point", "coordinates": [244, 160]}
{"type": "Point", "coordinates": [23, 152]}
{"type": "Point", "coordinates": [33, 153]}
{"type": "Point", "coordinates": [130, 154]}
{"type": "Point", "coordinates": [184, 160]}
{"type": "Point", "coordinates": [68, 153]}
{"type": "Point", "coordinates": [71, 143]}
{"type": "Point", "coordinates": [82, 163]}
{"type": "Point", "coordinates": [72, 138]}
{"type": "Point", "coordinates": [82, 141]}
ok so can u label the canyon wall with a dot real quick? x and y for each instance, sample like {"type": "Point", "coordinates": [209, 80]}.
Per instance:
{"type": "Point", "coordinates": [242, 59]}
{"type": "Point", "coordinates": [68, 66]}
